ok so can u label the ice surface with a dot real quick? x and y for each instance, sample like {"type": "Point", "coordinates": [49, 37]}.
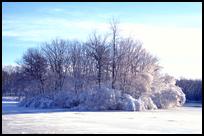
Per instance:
{"type": "Point", "coordinates": [177, 120]}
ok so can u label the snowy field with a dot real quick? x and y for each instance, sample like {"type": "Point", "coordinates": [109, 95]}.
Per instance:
{"type": "Point", "coordinates": [15, 119]}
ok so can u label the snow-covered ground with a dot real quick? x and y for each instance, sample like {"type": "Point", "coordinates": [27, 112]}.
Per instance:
{"type": "Point", "coordinates": [26, 120]}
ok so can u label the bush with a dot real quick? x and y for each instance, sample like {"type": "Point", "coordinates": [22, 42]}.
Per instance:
{"type": "Point", "coordinates": [98, 99]}
{"type": "Point", "coordinates": [103, 99]}
{"type": "Point", "coordinates": [37, 102]}
{"type": "Point", "coordinates": [147, 102]}
{"type": "Point", "coordinates": [65, 99]}
{"type": "Point", "coordinates": [169, 98]}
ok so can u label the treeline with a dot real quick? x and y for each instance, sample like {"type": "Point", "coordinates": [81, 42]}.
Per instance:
{"type": "Point", "coordinates": [13, 81]}
{"type": "Point", "coordinates": [191, 88]}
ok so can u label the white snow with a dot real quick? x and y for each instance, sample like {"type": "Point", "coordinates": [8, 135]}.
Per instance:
{"type": "Point", "coordinates": [177, 120]}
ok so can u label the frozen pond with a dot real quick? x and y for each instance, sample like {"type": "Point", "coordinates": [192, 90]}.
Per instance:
{"type": "Point", "coordinates": [25, 120]}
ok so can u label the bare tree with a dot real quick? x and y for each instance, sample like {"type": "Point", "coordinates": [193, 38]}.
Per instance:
{"type": "Point", "coordinates": [114, 28]}
{"type": "Point", "coordinates": [98, 49]}
{"type": "Point", "coordinates": [57, 55]}
{"type": "Point", "coordinates": [76, 59]}
{"type": "Point", "coordinates": [135, 67]}
{"type": "Point", "coordinates": [35, 65]}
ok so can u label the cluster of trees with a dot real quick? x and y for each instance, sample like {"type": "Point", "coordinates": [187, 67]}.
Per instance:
{"type": "Point", "coordinates": [109, 61]}
{"type": "Point", "coordinates": [192, 89]}
{"type": "Point", "coordinates": [114, 61]}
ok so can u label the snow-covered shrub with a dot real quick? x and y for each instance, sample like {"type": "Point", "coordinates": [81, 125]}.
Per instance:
{"type": "Point", "coordinates": [147, 102]}
{"type": "Point", "coordinates": [44, 103]}
{"type": "Point", "coordinates": [98, 99]}
{"type": "Point", "coordinates": [171, 97]}
{"type": "Point", "coordinates": [102, 99]}
{"type": "Point", "coordinates": [37, 102]}
{"type": "Point", "coordinates": [165, 94]}
{"type": "Point", "coordinates": [128, 103]}
{"type": "Point", "coordinates": [61, 99]}
{"type": "Point", "coordinates": [139, 85]}
{"type": "Point", "coordinates": [24, 102]}
{"type": "Point", "coordinates": [66, 99]}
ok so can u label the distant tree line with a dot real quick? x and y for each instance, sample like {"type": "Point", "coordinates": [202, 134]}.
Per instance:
{"type": "Point", "coordinates": [13, 81]}
{"type": "Point", "coordinates": [191, 88]}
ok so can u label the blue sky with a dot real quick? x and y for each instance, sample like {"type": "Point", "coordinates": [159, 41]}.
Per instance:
{"type": "Point", "coordinates": [171, 31]}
